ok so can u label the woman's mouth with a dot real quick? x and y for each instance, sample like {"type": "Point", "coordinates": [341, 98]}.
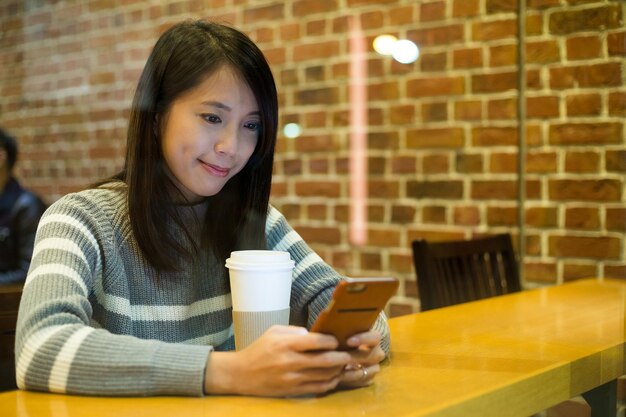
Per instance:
{"type": "Point", "coordinates": [215, 170]}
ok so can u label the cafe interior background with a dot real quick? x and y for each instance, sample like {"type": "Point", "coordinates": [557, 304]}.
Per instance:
{"type": "Point", "coordinates": [511, 119]}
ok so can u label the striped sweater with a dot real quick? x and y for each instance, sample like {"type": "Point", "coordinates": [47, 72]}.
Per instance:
{"type": "Point", "coordinates": [95, 320]}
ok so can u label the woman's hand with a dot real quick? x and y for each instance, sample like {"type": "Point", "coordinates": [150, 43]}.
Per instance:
{"type": "Point", "coordinates": [285, 361]}
{"type": "Point", "coordinates": [365, 362]}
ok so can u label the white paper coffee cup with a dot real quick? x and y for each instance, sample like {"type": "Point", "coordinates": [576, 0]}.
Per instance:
{"type": "Point", "coordinates": [260, 282]}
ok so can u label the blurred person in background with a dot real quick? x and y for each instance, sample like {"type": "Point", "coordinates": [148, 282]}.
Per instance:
{"type": "Point", "coordinates": [20, 210]}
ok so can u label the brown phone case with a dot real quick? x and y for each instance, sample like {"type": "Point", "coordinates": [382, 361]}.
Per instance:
{"type": "Point", "coordinates": [355, 305]}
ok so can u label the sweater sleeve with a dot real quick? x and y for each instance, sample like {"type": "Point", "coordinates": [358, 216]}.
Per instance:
{"type": "Point", "coordinates": [313, 279]}
{"type": "Point", "coordinates": [60, 348]}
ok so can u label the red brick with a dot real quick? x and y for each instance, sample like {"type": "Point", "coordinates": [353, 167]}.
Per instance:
{"type": "Point", "coordinates": [593, 75]}
{"type": "Point", "coordinates": [318, 188]}
{"type": "Point", "coordinates": [469, 163]}
{"type": "Point", "coordinates": [372, 20]}
{"type": "Point", "coordinates": [465, 8]}
{"type": "Point", "coordinates": [434, 234]}
{"type": "Point", "coordinates": [383, 238]}
{"type": "Point", "coordinates": [468, 110]}
{"type": "Point", "coordinates": [434, 214]}
{"type": "Point", "coordinates": [437, 36]}
{"type": "Point", "coordinates": [579, 161]}
{"type": "Point", "coordinates": [376, 165]}
{"type": "Point", "coordinates": [493, 190]}
{"type": "Point", "coordinates": [317, 96]}
{"type": "Point", "coordinates": [616, 43]}
{"type": "Point", "coordinates": [467, 58]}
{"type": "Point", "coordinates": [616, 219]}
{"type": "Point", "coordinates": [582, 218]}
{"type": "Point", "coordinates": [501, 6]}
{"type": "Point", "coordinates": [503, 55]}
{"type": "Point", "coordinates": [320, 50]}
{"type": "Point", "coordinates": [289, 31]}
{"type": "Point", "coordinates": [541, 217]}
{"type": "Point", "coordinates": [433, 62]}
{"type": "Point", "coordinates": [616, 271]}
{"type": "Point", "coordinates": [542, 52]}
{"type": "Point", "coordinates": [402, 114]}
{"type": "Point", "coordinates": [563, 22]}
{"type": "Point", "coordinates": [466, 215]}
{"type": "Point", "coordinates": [586, 133]}
{"type": "Point", "coordinates": [615, 160]}
{"type": "Point", "coordinates": [494, 30]}
{"type": "Point", "coordinates": [576, 271]}
{"type": "Point", "coordinates": [403, 164]}
{"type": "Point", "coordinates": [605, 190]}
{"type": "Point", "coordinates": [617, 104]}
{"type": "Point", "coordinates": [494, 83]}
{"type": "Point", "coordinates": [600, 247]}
{"type": "Point", "coordinates": [502, 109]}
{"type": "Point", "coordinates": [315, 143]}
{"type": "Point", "coordinates": [320, 234]}
{"type": "Point", "coordinates": [584, 104]}
{"type": "Point", "coordinates": [375, 213]}
{"type": "Point", "coordinates": [541, 162]}
{"type": "Point", "coordinates": [436, 86]}
{"type": "Point", "coordinates": [541, 272]}
{"type": "Point", "coordinates": [383, 91]}
{"type": "Point", "coordinates": [502, 163]}
{"type": "Point", "coordinates": [494, 136]}
{"type": "Point", "coordinates": [583, 47]}
{"type": "Point", "coordinates": [383, 189]}
{"type": "Point", "coordinates": [397, 309]}
{"type": "Point", "coordinates": [502, 216]}
{"type": "Point", "coordinates": [401, 15]}
{"type": "Point", "coordinates": [435, 138]}
{"type": "Point", "coordinates": [402, 214]}
{"type": "Point", "coordinates": [435, 112]}
{"type": "Point", "coordinates": [306, 8]}
{"type": "Point", "coordinates": [383, 140]}
{"type": "Point", "coordinates": [432, 11]}
{"type": "Point", "coordinates": [435, 189]}
{"type": "Point", "coordinates": [436, 164]}
{"type": "Point", "coordinates": [272, 12]}
{"type": "Point", "coordinates": [533, 245]}
{"type": "Point", "coordinates": [319, 166]}
{"type": "Point", "coordinates": [534, 23]}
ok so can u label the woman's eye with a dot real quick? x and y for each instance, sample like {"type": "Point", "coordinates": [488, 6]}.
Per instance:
{"type": "Point", "coordinates": [211, 118]}
{"type": "Point", "coordinates": [256, 126]}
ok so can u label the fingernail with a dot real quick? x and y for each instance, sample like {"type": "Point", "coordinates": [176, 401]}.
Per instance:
{"type": "Point", "coordinates": [353, 341]}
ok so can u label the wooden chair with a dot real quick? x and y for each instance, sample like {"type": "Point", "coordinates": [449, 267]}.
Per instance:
{"type": "Point", "coordinates": [452, 272]}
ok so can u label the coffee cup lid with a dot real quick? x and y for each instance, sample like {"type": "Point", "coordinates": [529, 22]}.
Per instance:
{"type": "Point", "coordinates": [259, 259]}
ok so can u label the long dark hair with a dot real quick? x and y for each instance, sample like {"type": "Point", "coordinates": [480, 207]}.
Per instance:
{"type": "Point", "coordinates": [183, 57]}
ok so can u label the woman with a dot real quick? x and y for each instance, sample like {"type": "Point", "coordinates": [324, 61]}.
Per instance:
{"type": "Point", "coordinates": [127, 292]}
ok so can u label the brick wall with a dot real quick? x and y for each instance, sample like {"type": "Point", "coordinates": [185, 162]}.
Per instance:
{"type": "Point", "coordinates": [442, 134]}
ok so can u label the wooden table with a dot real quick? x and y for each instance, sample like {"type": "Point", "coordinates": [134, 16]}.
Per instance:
{"type": "Point", "coordinates": [512, 355]}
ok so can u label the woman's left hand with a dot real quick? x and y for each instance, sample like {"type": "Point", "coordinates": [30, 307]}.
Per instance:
{"type": "Point", "coordinates": [366, 358]}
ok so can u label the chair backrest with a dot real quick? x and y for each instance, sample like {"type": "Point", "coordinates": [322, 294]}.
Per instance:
{"type": "Point", "coordinates": [453, 272]}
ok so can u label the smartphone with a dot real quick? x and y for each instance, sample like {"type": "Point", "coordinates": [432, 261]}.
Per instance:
{"type": "Point", "coordinates": [355, 305]}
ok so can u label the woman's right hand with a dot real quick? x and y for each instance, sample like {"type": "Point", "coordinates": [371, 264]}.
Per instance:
{"type": "Point", "coordinates": [284, 361]}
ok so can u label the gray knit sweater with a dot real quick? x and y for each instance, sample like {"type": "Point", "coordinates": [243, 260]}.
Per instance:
{"type": "Point", "coordinates": [95, 320]}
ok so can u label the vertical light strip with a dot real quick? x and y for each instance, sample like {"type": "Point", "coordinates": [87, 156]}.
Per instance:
{"type": "Point", "coordinates": [358, 134]}
{"type": "Point", "coordinates": [521, 127]}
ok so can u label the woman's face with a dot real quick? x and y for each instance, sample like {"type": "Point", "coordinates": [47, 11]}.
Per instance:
{"type": "Point", "coordinates": [209, 133]}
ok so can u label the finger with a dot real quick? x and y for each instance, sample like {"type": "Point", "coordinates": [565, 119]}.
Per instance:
{"type": "Point", "coordinates": [313, 342]}
{"type": "Point", "coordinates": [367, 356]}
{"type": "Point", "coordinates": [371, 338]}
{"type": "Point", "coordinates": [359, 375]}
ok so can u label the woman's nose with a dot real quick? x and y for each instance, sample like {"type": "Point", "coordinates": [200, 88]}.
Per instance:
{"type": "Point", "coordinates": [227, 142]}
